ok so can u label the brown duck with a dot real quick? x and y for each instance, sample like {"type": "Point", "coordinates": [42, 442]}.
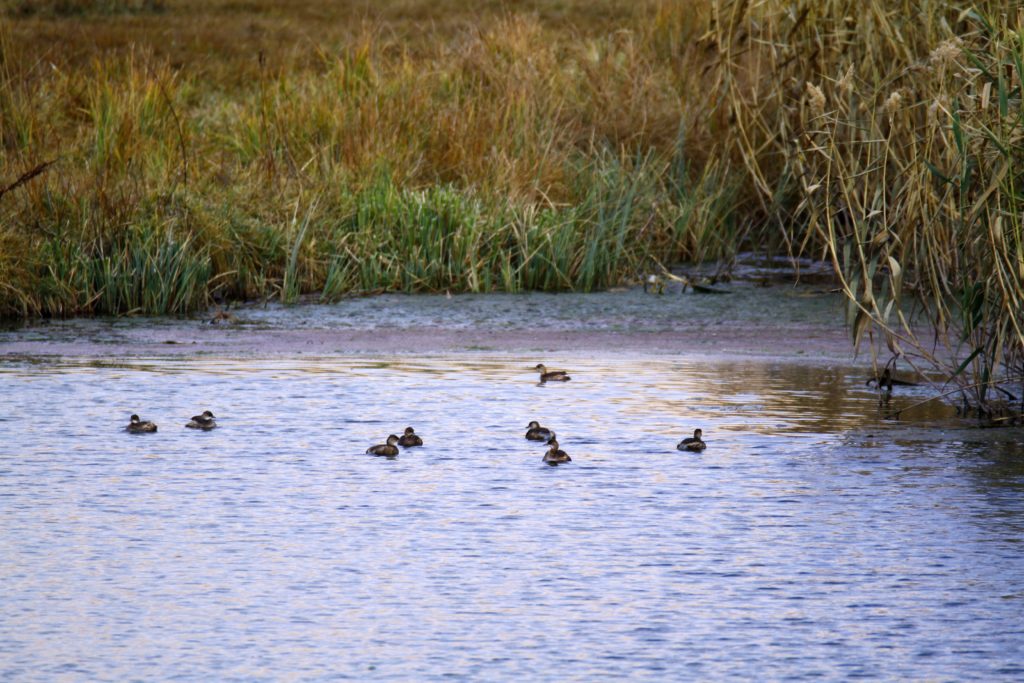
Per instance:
{"type": "Point", "coordinates": [555, 456]}
{"type": "Point", "coordinates": [206, 421]}
{"type": "Point", "coordinates": [410, 438]}
{"type": "Point", "coordinates": [693, 443]}
{"type": "Point", "coordinates": [534, 432]}
{"type": "Point", "coordinates": [137, 426]}
{"type": "Point", "coordinates": [388, 448]}
{"type": "Point", "coordinates": [551, 375]}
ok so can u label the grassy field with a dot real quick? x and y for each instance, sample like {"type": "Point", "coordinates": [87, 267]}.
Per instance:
{"type": "Point", "coordinates": [158, 155]}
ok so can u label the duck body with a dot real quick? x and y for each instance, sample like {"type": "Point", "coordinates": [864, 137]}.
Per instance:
{"type": "Point", "coordinates": [551, 375]}
{"type": "Point", "coordinates": [137, 426]}
{"type": "Point", "coordinates": [886, 379]}
{"type": "Point", "coordinates": [534, 432]}
{"type": "Point", "coordinates": [389, 449]}
{"type": "Point", "coordinates": [206, 421]}
{"type": "Point", "coordinates": [694, 444]}
{"type": "Point", "coordinates": [555, 456]}
{"type": "Point", "coordinates": [410, 438]}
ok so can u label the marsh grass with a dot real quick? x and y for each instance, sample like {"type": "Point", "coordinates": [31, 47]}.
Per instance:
{"type": "Point", "coordinates": [480, 165]}
{"type": "Point", "coordinates": [145, 270]}
{"type": "Point", "coordinates": [342, 148]}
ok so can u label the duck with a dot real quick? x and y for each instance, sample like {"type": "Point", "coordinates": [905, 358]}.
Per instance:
{"type": "Point", "coordinates": [206, 421]}
{"type": "Point", "coordinates": [886, 378]}
{"type": "Point", "coordinates": [410, 438]}
{"type": "Point", "coordinates": [551, 375]}
{"type": "Point", "coordinates": [389, 449]}
{"type": "Point", "coordinates": [693, 443]}
{"type": "Point", "coordinates": [555, 456]}
{"type": "Point", "coordinates": [534, 432]}
{"type": "Point", "coordinates": [137, 426]}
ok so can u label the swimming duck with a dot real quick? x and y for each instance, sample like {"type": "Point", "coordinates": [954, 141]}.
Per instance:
{"type": "Point", "coordinates": [551, 375]}
{"type": "Point", "coordinates": [693, 443]}
{"type": "Point", "coordinates": [534, 432]}
{"type": "Point", "coordinates": [555, 456]}
{"type": "Point", "coordinates": [137, 426]}
{"type": "Point", "coordinates": [389, 449]}
{"type": "Point", "coordinates": [204, 421]}
{"type": "Point", "coordinates": [409, 438]}
{"type": "Point", "coordinates": [886, 378]}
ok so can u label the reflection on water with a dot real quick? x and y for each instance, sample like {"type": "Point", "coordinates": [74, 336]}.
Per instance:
{"type": "Point", "coordinates": [812, 538]}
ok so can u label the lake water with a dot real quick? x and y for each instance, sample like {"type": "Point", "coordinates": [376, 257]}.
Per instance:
{"type": "Point", "coordinates": [812, 539]}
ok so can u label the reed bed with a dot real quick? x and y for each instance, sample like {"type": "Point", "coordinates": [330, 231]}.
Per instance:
{"type": "Point", "coordinates": [909, 181]}
{"type": "Point", "coordinates": [332, 149]}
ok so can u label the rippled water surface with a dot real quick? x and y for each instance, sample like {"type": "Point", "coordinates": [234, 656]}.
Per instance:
{"type": "Point", "coordinates": [811, 538]}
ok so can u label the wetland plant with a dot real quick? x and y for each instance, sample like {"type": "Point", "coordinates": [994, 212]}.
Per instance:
{"type": "Point", "coordinates": [888, 138]}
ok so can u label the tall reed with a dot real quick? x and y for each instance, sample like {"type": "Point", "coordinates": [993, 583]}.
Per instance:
{"type": "Point", "coordinates": [896, 136]}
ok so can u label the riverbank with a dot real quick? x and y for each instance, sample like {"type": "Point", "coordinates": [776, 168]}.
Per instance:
{"type": "Point", "coordinates": [782, 321]}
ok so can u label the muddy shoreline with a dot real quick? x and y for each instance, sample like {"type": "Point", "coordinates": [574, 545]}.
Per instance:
{"type": "Point", "coordinates": [784, 323]}
{"type": "Point", "coordinates": [186, 341]}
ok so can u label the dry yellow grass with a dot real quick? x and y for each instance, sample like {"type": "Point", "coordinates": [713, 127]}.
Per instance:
{"type": "Point", "coordinates": [221, 121]}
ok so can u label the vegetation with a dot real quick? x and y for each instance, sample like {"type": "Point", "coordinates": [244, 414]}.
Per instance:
{"type": "Point", "coordinates": [913, 180]}
{"type": "Point", "coordinates": [155, 155]}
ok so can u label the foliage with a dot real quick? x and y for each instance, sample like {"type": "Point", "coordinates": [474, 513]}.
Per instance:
{"type": "Point", "coordinates": [887, 138]}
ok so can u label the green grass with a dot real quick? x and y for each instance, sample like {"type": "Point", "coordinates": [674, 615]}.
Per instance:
{"type": "Point", "coordinates": [146, 270]}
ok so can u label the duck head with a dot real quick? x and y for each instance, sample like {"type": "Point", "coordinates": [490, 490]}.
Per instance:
{"type": "Point", "coordinates": [697, 433]}
{"type": "Point", "coordinates": [409, 431]}
{"type": "Point", "coordinates": [392, 440]}
{"type": "Point", "coordinates": [135, 419]}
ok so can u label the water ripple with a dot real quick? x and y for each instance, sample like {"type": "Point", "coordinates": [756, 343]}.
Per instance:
{"type": "Point", "coordinates": [811, 539]}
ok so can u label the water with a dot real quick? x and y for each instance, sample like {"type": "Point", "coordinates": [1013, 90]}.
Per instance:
{"type": "Point", "coordinates": [811, 539]}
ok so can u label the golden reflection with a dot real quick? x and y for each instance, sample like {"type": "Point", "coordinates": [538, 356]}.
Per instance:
{"type": "Point", "coordinates": [667, 394]}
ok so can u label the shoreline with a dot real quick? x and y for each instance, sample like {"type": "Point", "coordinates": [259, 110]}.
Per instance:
{"type": "Point", "coordinates": [751, 323]}
{"type": "Point", "coordinates": [184, 340]}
